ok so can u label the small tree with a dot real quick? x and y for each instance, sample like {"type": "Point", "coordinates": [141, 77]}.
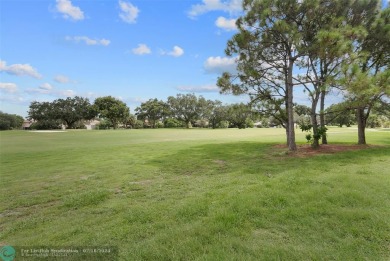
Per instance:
{"type": "Point", "coordinates": [366, 75]}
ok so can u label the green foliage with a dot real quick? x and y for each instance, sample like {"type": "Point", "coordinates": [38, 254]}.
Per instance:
{"type": "Point", "coordinates": [172, 123]}
{"type": "Point", "coordinates": [310, 136]}
{"type": "Point", "coordinates": [222, 125]}
{"type": "Point", "coordinates": [374, 121]}
{"type": "Point", "coordinates": [249, 123]}
{"type": "Point", "coordinates": [113, 109]}
{"type": "Point", "coordinates": [68, 111]}
{"type": "Point", "coordinates": [46, 125]}
{"type": "Point", "coordinates": [72, 110]}
{"type": "Point", "coordinates": [159, 125]}
{"type": "Point", "coordinates": [188, 108]}
{"type": "Point", "coordinates": [152, 110]}
{"type": "Point", "coordinates": [40, 111]}
{"type": "Point", "coordinates": [105, 124]}
{"type": "Point", "coordinates": [139, 124]}
{"type": "Point", "coordinates": [340, 114]}
{"type": "Point", "coordinates": [218, 114]}
{"type": "Point", "coordinates": [238, 115]}
{"type": "Point", "coordinates": [10, 121]}
{"type": "Point", "coordinates": [130, 121]}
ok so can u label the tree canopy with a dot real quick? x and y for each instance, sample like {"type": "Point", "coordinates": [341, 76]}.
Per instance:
{"type": "Point", "coordinates": [112, 109]}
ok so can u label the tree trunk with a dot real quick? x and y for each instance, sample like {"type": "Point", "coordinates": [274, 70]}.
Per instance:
{"type": "Point", "coordinates": [287, 134]}
{"type": "Point", "coordinates": [361, 121]}
{"type": "Point", "coordinates": [313, 117]}
{"type": "Point", "coordinates": [188, 125]}
{"type": "Point", "coordinates": [292, 146]}
{"type": "Point", "coordinates": [322, 116]}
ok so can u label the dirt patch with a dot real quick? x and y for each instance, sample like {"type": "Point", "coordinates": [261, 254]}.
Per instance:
{"type": "Point", "coordinates": [141, 182]}
{"type": "Point", "coordinates": [308, 151]}
{"type": "Point", "coordinates": [220, 163]}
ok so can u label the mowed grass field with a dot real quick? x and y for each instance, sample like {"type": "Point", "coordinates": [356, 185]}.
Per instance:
{"type": "Point", "coordinates": [196, 194]}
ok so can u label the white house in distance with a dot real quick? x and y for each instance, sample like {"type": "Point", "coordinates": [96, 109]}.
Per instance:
{"type": "Point", "coordinates": [91, 125]}
{"type": "Point", "coordinates": [27, 124]}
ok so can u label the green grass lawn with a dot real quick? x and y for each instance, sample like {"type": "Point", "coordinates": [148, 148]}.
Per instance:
{"type": "Point", "coordinates": [196, 194]}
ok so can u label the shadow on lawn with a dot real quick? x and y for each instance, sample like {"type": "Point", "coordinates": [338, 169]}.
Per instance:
{"type": "Point", "coordinates": [253, 158]}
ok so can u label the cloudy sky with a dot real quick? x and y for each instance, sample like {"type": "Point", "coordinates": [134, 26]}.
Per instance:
{"type": "Point", "coordinates": [131, 49]}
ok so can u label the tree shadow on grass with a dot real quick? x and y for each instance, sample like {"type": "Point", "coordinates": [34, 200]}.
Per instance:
{"type": "Point", "coordinates": [253, 158]}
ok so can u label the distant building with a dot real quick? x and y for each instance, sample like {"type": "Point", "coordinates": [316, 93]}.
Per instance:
{"type": "Point", "coordinates": [92, 124]}
{"type": "Point", "coordinates": [27, 124]}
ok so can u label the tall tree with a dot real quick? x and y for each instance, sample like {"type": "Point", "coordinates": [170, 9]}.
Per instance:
{"type": "Point", "coordinates": [72, 110]}
{"type": "Point", "coordinates": [238, 114]}
{"type": "Point", "coordinates": [330, 29]}
{"type": "Point", "coordinates": [267, 47]}
{"type": "Point", "coordinates": [218, 114]}
{"type": "Point", "coordinates": [186, 108]}
{"type": "Point", "coordinates": [113, 109]}
{"type": "Point", "coordinates": [40, 111]}
{"type": "Point", "coordinates": [152, 110]}
{"type": "Point", "coordinates": [10, 121]}
{"type": "Point", "coordinates": [366, 75]}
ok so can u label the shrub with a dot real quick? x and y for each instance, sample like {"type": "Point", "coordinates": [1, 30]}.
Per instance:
{"type": "Point", "coordinates": [138, 124]}
{"type": "Point", "coordinates": [172, 123]}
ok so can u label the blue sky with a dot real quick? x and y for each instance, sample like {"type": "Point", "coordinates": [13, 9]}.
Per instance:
{"type": "Point", "coordinates": [132, 50]}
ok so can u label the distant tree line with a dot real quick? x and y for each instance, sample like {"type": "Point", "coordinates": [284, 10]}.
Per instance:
{"type": "Point", "coordinates": [10, 121]}
{"type": "Point", "coordinates": [182, 111]}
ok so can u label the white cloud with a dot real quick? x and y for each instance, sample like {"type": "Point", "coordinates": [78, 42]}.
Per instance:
{"type": "Point", "coordinates": [46, 86]}
{"type": "Point", "coordinates": [105, 42]}
{"type": "Point", "coordinates": [129, 12]}
{"type": "Point", "coordinates": [8, 87]}
{"type": "Point", "coordinates": [230, 6]}
{"type": "Point", "coordinates": [202, 88]}
{"type": "Point", "coordinates": [19, 69]}
{"type": "Point", "coordinates": [176, 52]}
{"type": "Point", "coordinates": [38, 91]}
{"type": "Point", "coordinates": [67, 93]}
{"type": "Point", "coordinates": [48, 89]}
{"type": "Point", "coordinates": [142, 49]}
{"type": "Point", "coordinates": [87, 40]}
{"type": "Point", "coordinates": [220, 64]}
{"type": "Point", "coordinates": [61, 79]}
{"type": "Point", "coordinates": [226, 24]}
{"type": "Point", "coordinates": [69, 11]}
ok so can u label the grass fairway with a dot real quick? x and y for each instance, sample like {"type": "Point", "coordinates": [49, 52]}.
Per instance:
{"type": "Point", "coordinates": [196, 194]}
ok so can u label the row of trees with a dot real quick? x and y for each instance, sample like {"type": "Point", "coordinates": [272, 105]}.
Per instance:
{"type": "Point", "coordinates": [191, 110]}
{"type": "Point", "coordinates": [10, 121]}
{"type": "Point", "coordinates": [180, 111]}
{"type": "Point", "coordinates": [72, 111]}
{"type": "Point", "coordinates": [318, 45]}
